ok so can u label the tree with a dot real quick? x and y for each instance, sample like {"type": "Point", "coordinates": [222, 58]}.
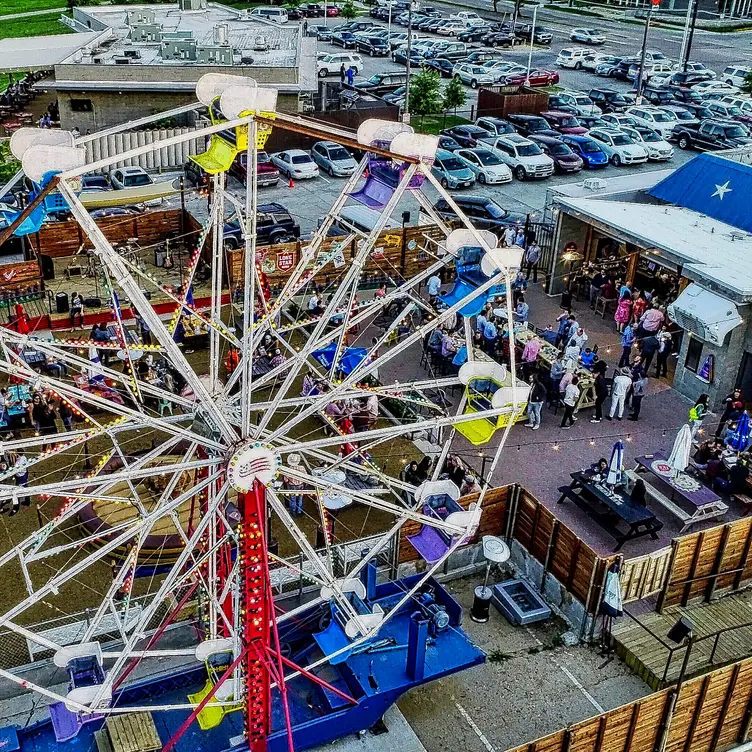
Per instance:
{"type": "Point", "coordinates": [425, 93]}
{"type": "Point", "coordinates": [348, 11]}
{"type": "Point", "coordinates": [746, 86]}
{"type": "Point", "coordinates": [9, 165]}
{"type": "Point", "coordinates": [454, 95]}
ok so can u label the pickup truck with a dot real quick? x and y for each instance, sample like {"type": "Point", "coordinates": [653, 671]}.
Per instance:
{"type": "Point", "coordinates": [711, 135]}
{"type": "Point", "coordinates": [467, 17]}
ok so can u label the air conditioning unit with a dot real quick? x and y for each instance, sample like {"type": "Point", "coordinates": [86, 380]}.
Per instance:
{"type": "Point", "coordinates": [595, 184]}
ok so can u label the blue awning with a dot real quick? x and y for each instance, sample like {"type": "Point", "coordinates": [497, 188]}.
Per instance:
{"type": "Point", "coordinates": [717, 187]}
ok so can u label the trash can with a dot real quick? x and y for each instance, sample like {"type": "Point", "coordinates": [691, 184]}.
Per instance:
{"type": "Point", "coordinates": [481, 604]}
{"type": "Point", "coordinates": [62, 304]}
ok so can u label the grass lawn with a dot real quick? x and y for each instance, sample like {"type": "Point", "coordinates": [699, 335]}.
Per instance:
{"type": "Point", "coordinates": [24, 6]}
{"type": "Point", "coordinates": [35, 26]}
{"type": "Point", "coordinates": [435, 123]}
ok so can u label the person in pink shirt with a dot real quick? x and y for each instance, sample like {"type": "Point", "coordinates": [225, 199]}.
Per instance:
{"type": "Point", "coordinates": [650, 322]}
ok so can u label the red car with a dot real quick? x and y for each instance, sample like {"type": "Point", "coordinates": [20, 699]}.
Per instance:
{"type": "Point", "coordinates": [564, 122]}
{"type": "Point", "coordinates": [538, 77]}
{"type": "Point", "coordinates": [332, 10]}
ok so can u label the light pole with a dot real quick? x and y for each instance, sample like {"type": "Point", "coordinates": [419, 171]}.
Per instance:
{"type": "Point", "coordinates": [688, 48]}
{"type": "Point", "coordinates": [406, 110]}
{"type": "Point", "coordinates": [389, 23]}
{"type": "Point", "coordinates": [641, 73]}
{"type": "Point", "coordinates": [532, 40]}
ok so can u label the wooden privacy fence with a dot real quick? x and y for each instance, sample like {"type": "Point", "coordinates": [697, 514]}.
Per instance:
{"type": "Point", "coordinates": [709, 713]}
{"type": "Point", "coordinates": [709, 563]}
{"type": "Point", "coordinates": [500, 101]}
{"type": "Point", "coordinates": [513, 512]}
{"type": "Point", "coordinates": [644, 576]}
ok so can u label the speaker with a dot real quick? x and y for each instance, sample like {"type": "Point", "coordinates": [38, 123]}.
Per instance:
{"type": "Point", "coordinates": [48, 268]}
{"type": "Point", "coordinates": [62, 304]}
{"type": "Point", "coordinates": [93, 302]}
{"type": "Point", "coordinates": [680, 630]}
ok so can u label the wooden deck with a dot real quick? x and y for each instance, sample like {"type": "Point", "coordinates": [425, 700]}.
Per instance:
{"type": "Point", "coordinates": [647, 657]}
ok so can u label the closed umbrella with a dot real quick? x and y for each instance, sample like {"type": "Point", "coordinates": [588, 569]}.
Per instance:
{"type": "Point", "coordinates": [679, 457]}
{"type": "Point", "coordinates": [739, 439]}
{"type": "Point", "coordinates": [615, 464]}
{"type": "Point", "coordinates": [612, 605]}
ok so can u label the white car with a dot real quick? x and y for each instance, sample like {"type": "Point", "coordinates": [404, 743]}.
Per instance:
{"type": "Point", "coordinates": [660, 120]}
{"type": "Point", "coordinates": [486, 164]}
{"type": "Point", "coordinates": [618, 146]}
{"type": "Point", "coordinates": [130, 177]}
{"type": "Point", "coordinates": [743, 103]}
{"type": "Point", "coordinates": [333, 159]}
{"type": "Point", "coordinates": [473, 75]}
{"type": "Point", "coordinates": [295, 163]}
{"type": "Point", "coordinates": [705, 87]}
{"type": "Point", "coordinates": [735, 74]}
{"type": "Point", "coordinates": [659, 150]}
{"type": "Point", "coordinates": [500, 68]}
{"type": "Point", "coordinates": [330, 63]}
{"type": "Point", "coordinates": [694, 68]}
{"type": "Point", "coordinates": [451, 29]}
{"type": "Point", "coordinates": [467, 17]}
{"type": "Point", "coordinates": [572, 57]}
{"type": "Point", "coordinates": [525, 158]}
{"type": "Point", "coordinates": [594, 59]}
{"type": "Point", "coordinates": [587, 36]}
{"type": "Point", "coordinates": [619, 119]}
{"type": "Point", "coordinates": [581, 102]}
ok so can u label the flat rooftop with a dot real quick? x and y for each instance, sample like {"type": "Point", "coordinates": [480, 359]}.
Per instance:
{"type": "Point", "coordinates": [211, 27]}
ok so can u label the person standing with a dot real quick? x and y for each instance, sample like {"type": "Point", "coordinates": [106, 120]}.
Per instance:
{"type": "Point", "coordinates": [531, 260]}
{"type": "Point", "coordinates": [489, 335]}
{"type": "Point", "coordinates": [77, 310]}
{"type": "Point", "coordinates": [522, 311]}
{"type": "Point", "coordinates": [144, 329]}
{"type": "Point", "coordinates": [622, 383]}
{"type": "Point", "coordinates": [732, 403]}
{"type": "Point", "coordinates": [596, 282]}
{"type": "Point", "coordinates": [601, 395]}
{"type": "Point", "coordinates": [535, 401]}
{"type": "Point", "coordinates": [648, 348]}
{"type": "Point", "coordinates": [697, 414]}
{"type": "Point", "coordinates": [294, 485]}
{"type": "Point", "coordinates": [623, 312]}
{"type": "Point", "coordinates": [434, 288]}
{"type": "Point", "coordinates": [350, 76]}
{"type": "Point", "coordinates": [627, 340]}
{"type": "Point", "coordinates": [342, 73]}
{"type": "Point", "coordinates": [510, 235]}
{"type": "Point", "coordinates": [66, 414]}
{"type": "Point", "coordinates": [571, 396]}
{"type": "Point", "coordinates": [650, 321]}
{"type": "Point", "coordinates": [665, 345]}
{"type": "Point", "coordinates": [639, 390]}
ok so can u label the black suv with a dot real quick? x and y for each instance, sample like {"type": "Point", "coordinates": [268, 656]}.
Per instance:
{"type": "Point", "coordinates": [483, 212]}
{"type": "Point", "coordinates": [476, 33]}
{"type": "Point", "coordinates": [609, 100]}
{"type": "Point", "coordinates": [657, 95]}
{"type": "Point", "coordinates": [527, 125]}
{"type": "Point", "coordinates": [466, 135]}
{"type": "Point", "coordinates": [373, 46]}
{"type": "Point", "coordinates": [503, 38]}
{"type": "Point", "coordinates": [312, 10]}
{"type": "Point", "coordinates": [540, 35]}
{"type": "Point", "coordinates": [274, 224]}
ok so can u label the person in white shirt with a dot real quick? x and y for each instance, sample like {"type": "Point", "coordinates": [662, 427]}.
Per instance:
{"type": "Point", "coordinates": [578, 338]}
{"type": "Point", "coordinates": [571, 396]}
{"type": "Point", "coordinates": [622, 383]}
{"type": "Point", "coordinates": [531, 260]}
{"type": "Point", "coordinates": [314, 306]}
{"type": "Point", "coordinates": [510, 235]}
{"type": "Point", "coordinates": [434, 287]}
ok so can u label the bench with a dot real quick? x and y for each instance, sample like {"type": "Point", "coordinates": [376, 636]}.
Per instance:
{"type": "Point", "coordinates": [745, 501]}
{"type": "Point", "coordinates": [661, 498]}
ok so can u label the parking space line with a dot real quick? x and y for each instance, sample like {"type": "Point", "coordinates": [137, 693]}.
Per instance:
{"type": "Point", "coordinates": [474, 726]}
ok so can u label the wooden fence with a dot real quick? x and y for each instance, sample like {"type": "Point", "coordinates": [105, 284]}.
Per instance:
{"type": "Point", "coordinates": [709, 713]}
{"type": "Point", "coordinates": [709, 563]}
{"type": "Point", "coordinates": [502, 102]}
{"type": "Point", "coordinates": [513, 512]}
{"type": "Point", "coordinates": [644, 576]}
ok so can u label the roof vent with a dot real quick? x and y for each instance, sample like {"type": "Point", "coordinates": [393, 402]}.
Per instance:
{"type": "Point", "coordinates": [595, 184]}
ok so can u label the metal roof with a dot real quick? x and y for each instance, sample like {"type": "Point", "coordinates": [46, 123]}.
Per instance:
{"type": "Point", "coordinates": [712, 185]}
{"type": "Point", "coordinates": [40, 53]}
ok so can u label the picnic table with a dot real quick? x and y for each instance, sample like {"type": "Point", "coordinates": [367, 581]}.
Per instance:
{"type": "Point", "coordinates": [703, 502]}
{"type": "Point", "coordinates": [611, 507]}
{"type": "Point", "coordinates": [133, 732]}
{"type": "Point", "coordinates": [548, 354]}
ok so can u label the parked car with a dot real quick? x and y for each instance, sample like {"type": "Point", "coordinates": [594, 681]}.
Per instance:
{"type": "Point", "coordinates": [720, 86]}
{"type": "Point", "coordinates": [267, 175]}
{"type": "Point", "coordinates": [332, 11]}
{"type": "Point", "coordinates": [323, 33]}
{"type": "Point", "coordinates": [525, 158]}
{"type": "Point", "coordinates": [592, 121]}
{"type": "Point", "coordinates": [396, 97]}
{"type": "Point", "coordinates": [618, 119]}
{"type": "Point", "coordinates": [682, 80]}
{"type": "Point", "coordinates": [451, 171]}
{"type": "Point", "coordinates": [468, 17]}
{"type": "Point", "coordinates": [467, 136]}
{"type": "Point", "coordinates": [500, 68]}
{"type": "Point", "coordinates": [381, 83]}
{"type": "Point", "coordinates": [688, 95]}
{"type": "Point", "coordinates": [656, 68]}
{"type": "Point", "coordinates": [345, 39]}
{"type": "Point", "coordinates": [563, 122]}
{"type": "Point", "coordinates": [555, 102]}
{"type": "Point", "coordinates": [399, 38]}
{"type": "Point", "coordinates": [478, 57]}
{"type": "Point", "coordinates": [683, 115]}
{"type": "Point", "coordinates": [536, 77]}
{"type": "Point", "coordinates": [609, 100]}
{"type": "Point", "coordinates": [274, 224]}
{"type": "Point", "coordinates": [711, 135]}
{"type": "Point", "coordinates": [743, 103]}
{"type": "Point", "coordinates": [572, 57]}
{"type": "Point", "coordinates": [416, 57]}
{"type": "Point", "coordinates": [484, 213]}
{"type": "Point", "coordinates": [607, 69]}
{"type": "Point", "coordinates": [500, 38]}
{"type": "Point", "coordinates": [330, 64]}
{"type": "Point", "coordinates": [495, 126]}
{"type": "Point", "coordinates": [115, 211]}
{"type": "Point", "coordinates": [447, 143]}
{"type": "Point", "coordinates": [526, 125]}
{"type": "Point", "coordinates": [660, 120]}
{"type": "Point", "coordinates": [582, 103]}
{"type": "Point", "coordinates": [619, 147]}
{"type": "Point", "coordinates": [486, 164]}
{"type": "Point", "coordinates": [725, 111]}
{"type": "Point", "coordinates": [586, 36]}
{"type": "Point", "coordinates": [444, 66]}
{"type": "Point", "coordinates": [101, 183]}
{"type": "Point", "coordinates": [333, 159]}
{"type": "Point", "coordinates": [659, 150]}
{"type": "Point", "coordinates": [312, 10]}
{"type": "Point", "coordinates": [539, 34]}
{"type": "Point", "coordinates": [372, 46]}
{"type": "Point", "coordinates": [657, 96]}
{"type": "Point", "coordinates": [451, 29]}
{"type": "Point", "coordinates": [735, 74]}
{"type": "Point", "coordinates": [695, 67]}
{"type": "Point", "coordinates": [456, 51]}
{"type": "Point", "coordinates": [589, 150]}
{"type": "Point", "coordinates": [476, 33]}
{"type": "Point", "coordinates": [594, 59]}
{"type": "Point", "coordinates": [295, 163]}
{"type": "Point", "coordinates": [699, 111]}
{"type": "Point", "coordinates": [472, 75]}
{"type": "Point", "coordinates": [621, 69]}
{"type": "Point", "coordinates": [565, 160]}
{"type": "Point", "coordinates": [129, 177]}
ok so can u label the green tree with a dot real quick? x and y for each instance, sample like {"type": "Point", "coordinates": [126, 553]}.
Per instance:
{"type": "Point", "coordinates": [293, 3]}
{"type": "Point", "coordinates": [9, 165]}
{"type": "Point", "coordinates": [348, 10]}
{"type": "Point", "coordinates": [454, 95]}
{"type": "Point", "coordinates": [425, 93]}
{"type": "Point", "coordinates": [746, 86]}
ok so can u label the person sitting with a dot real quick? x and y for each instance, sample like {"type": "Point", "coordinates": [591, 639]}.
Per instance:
{"type": "Point", "coordinates": [549, 335]}
{"type": "Point", "coordinates": [705, 452]}
{"type": "Point", "coordinates": [737, 476]}
{"type": "Point", "coordinates": [598, 470]}
{"type": "Point", "coordinates": [278, 359]}
{"type": "Point", "coordinates": [434, 341]}
{"type": "Point", "coordinates": [639, 493]}
{"type": "Point", "coordinates": [470, 485]}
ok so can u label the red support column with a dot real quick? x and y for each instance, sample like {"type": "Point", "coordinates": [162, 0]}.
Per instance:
{"type": "Point", "coordinates": [256, 612]}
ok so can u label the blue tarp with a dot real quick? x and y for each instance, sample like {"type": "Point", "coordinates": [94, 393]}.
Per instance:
{"type": "Point", "coordinates": [711, 185]}
{"type": "Point", "coordinates": [350, 357]}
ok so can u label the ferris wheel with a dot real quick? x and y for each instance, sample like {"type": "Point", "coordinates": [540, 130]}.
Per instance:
{"type": "Point", "coordinates": [193, 465]}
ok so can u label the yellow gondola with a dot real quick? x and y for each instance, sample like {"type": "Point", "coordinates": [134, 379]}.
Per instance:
{"type": "Point", "coordinates": [212, 714]}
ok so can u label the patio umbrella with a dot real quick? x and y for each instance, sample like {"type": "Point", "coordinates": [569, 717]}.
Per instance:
{"type": "Point", "coordinates": [612, 603]}
{"type": "Point", "coordinates": [679, 457]}
{"type": "Point", "coordinates": [615, 464]}
{"type": "Point", "coordinates": [350, 357]}
{"type": "Point", "coordinates": [739, 439]}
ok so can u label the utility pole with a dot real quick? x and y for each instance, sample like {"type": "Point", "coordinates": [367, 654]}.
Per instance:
{"type": "Point", "coordinates": [688, 48]}
{"type": "Point", "coordinates": [406, 109]}
{"type": "Point", "coordinates": [532, 40]}
{"type": "Point", "coordinates": [641, 73]}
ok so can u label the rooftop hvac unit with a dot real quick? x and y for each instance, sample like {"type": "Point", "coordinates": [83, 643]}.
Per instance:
{"type": "Point", "coordinates": [595, 184]}
{"type": "Point", "coordinates": [192, 4]}
{"type": "Point", "coordinates": [703, 313]}
{"type": "Point", "coordinates": [221, 34]}
{"type": "Point", "coordinates": [121, 60]}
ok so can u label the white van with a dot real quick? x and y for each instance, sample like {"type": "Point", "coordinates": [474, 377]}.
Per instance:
{"type": "Point", "coordinates": [572, 57]}
{"type": "Point", "coordinates": [270, 13]}
{"type": "Point", "coordinates": [734, 74]}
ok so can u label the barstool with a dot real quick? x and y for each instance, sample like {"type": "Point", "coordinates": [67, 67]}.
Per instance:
{"type": "Point", "coordinates": [495, 551]}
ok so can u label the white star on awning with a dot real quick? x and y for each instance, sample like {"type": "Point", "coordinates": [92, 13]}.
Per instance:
{"type": "Point", "coordinates": [722, 190]}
